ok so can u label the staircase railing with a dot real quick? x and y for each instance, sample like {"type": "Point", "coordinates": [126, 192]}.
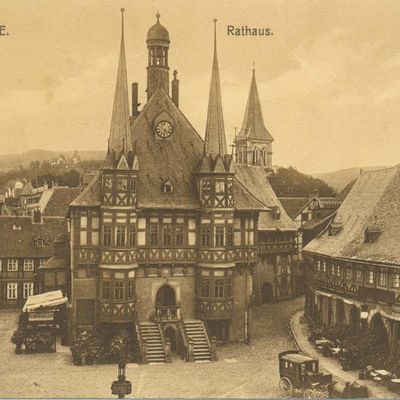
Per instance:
{"type": "Point", "coordinates": [212, 344]}
{"type": "Point", "coordinates": [141, 342]}
{"type": "Point", "coordinates": [185, 338]}
{"type": "Point", "coordinates": [167, 349]}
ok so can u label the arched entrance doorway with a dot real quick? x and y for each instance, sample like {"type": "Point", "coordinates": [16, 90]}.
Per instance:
{"type": "Point", "coordinates": [166, 303]}
{"type": "Point", "coordinates": [267, 293]}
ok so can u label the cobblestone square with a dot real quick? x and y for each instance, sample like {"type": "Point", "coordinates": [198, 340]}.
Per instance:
{"type": "Point", "coordinates": [241, 370]}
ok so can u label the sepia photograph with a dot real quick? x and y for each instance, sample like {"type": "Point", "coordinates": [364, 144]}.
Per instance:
{"type": "Point", "coordinates": [199, 199]}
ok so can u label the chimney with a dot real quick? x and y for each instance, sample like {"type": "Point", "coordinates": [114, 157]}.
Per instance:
{"type": "Point", "coordinates": [175, 89]}
{"type": "Point", "coordinates": [135, 102]}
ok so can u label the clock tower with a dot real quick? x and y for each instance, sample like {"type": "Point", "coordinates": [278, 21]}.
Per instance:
{"type": "Point", "coordinates": [157, 67]}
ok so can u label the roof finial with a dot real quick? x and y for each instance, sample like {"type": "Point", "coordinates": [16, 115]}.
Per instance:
{"type": "Point", "coordinates": [122, 22]}
{"type": "Point", "coordinates": [158, 16]}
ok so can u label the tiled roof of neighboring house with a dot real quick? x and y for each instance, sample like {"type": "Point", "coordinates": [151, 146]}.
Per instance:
{"type": "Point", "coordinates": [18, 236]}
{"type": "Point", "coordinates": [255, 181]}
{"type": "Point", "coordinates": [374, 204]}
{"type": "Point", "coordinates": [91, 195]}
{"type": "Point", "coordinates": [54, 202]}
{"type": "Point", "coordinates": [293, 205]}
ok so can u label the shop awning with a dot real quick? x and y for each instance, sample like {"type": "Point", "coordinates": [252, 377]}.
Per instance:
{"type": "Point", "coordinates": [48, 299]}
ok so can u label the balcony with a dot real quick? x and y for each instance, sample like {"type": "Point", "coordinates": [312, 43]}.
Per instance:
{"type": "Point", "coordinates": [149, 254]}
{"type": "Point", "coordinates": [167, 313]}
{"type": "Point", "coordinates": [215, 308]}
{"type": "Point", "coordinates": [279, 247]}
{"type": "Point", "coordinates": [116, 310]}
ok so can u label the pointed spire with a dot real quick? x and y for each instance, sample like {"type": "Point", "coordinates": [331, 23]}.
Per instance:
{"type": "Point", "coordinates": [253, 122]}
{"type": "Point", "coordinates": [253, 125]}
{"type": "Point", "coordinates": [215, 142]}
{"type": "Point", "coordinates": [120, 135]}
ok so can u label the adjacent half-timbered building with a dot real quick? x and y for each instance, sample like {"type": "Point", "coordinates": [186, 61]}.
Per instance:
{"type": "Point", "coordinates": [164, 239]}
{"type": "Point", "coordinates": [353, 267]}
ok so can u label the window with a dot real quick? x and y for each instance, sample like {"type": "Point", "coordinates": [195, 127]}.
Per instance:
{"type": "Point", "coordinates": [12, 265]}
{"type": "Point", "coordinates": [166, 234]}
{"type": "Point", "coordinates": [205, 235]}
{"type": "Point", "coordinates": [219, 236]}
{"type": "Point", "coordinates": [206, 186]}
{"type": "Point", "coordinates": [133, 185]}
{"type": "Point", "coordinates": [359, 275]}
{"type": "Point", "coordinates": [39, 243]}
{"type": "Point", "coordinates": [382, 279]}
{"type": "Point", "coordinates": [219, 187]}
{"type": "Point", "coordinates": [323, 266]}
{"type": "Point", "coordinates": [95, 238]}
{"type": "Point", "coordinates": [338, 270]}
{"type": "Point", "coordinates": [229, 236]}
{"type": "Point", "coordinates": [28, 289]}
{"type": "Point", "coordinates": [318, 265]}
{"type": "Point", "coordinates": [28, 265]}
{"type": "Point", "coordinates": [205, 287]}
{"type": "Point", "coordinates": [332, 269]}
{"type": "Point", "coordinates": [179, 235]}
{"type": "Point", "coordinates": [120, 239]}
{"type": "Point", "coordinates": [153, 234]}
{"type": "Point", "coordinates": [119, 290]}
{"type": "Point", "coordinates": [83, 221]}
{"type": "Point", "coordinates": [167, 187]}
{"type": "Point", "coordinates": [107, 235]}
{"type": "Point", "coordinates": [370, 277]}
{"type": "Point", "coordinates": [396, 280]}
{"type": "Point", "coordinates": [219, 288]}
{"type": "Point", "coordinates": [229, 287]}
{"type": "Point", "coordinates": [108, 182]}
{"type": "Point", "coordinates": [105, 289]}
{"type": "Point", "coordinates": [131, 289]}
{"type": "Point", "coordinates": [349, 274]}
{"type": "Point", "coordinates": [83, 238]}
{"type": "Point", "coordinates": [132, 236]}
{"type": "Point", "coordinates": [95, 222]}
{"type": "Point", "coordinates": [12, 291]}
{"type": "Point", "coordinates": [42, 261]}
{"type": "Point", "coordinates": [122, 184]}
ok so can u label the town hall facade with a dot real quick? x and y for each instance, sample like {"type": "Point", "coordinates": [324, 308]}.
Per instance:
{"type": "Point", "coordinates": [164, 239]}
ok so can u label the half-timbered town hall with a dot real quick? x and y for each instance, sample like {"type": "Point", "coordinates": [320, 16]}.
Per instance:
{"type": "Point", "coordinates": [164, 240]}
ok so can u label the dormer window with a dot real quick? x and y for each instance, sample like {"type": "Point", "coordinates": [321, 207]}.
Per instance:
{"type": "Point", "coordinates": [39, 242]}
{"type": "Point", "coordinates": [167, 187]}
{"type": "Point", "coordinates": [206, 186]}
{"type": "Point", "coordinates": [334, 228]}
{"type": "Point", "coordinates": [371, 234]}
{"type": "Point", "coordinates": [16, 227]}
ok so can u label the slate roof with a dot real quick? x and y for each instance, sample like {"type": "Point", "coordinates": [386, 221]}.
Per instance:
{"type": "Point", "coordinates": [374, 203]}
{"type": "Point", "coordinates": [21, 242]}
{"type": "Point", "coordinates": [293, 205]}
{"type": "Point", "coordinates": [55, 201]}
{"type": "Point", "coordinates": [215, 141]}
{"type": "Point", "coordinates": [255, 181]}
{"type": "Point", "coordinates": [253, 126]}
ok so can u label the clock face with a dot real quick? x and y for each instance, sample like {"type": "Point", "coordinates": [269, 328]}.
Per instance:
{"type": "Point", "coordinates": [164, 129]}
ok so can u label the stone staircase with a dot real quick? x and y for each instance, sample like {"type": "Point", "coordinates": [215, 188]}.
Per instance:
{"type": "Point", "coordinates": [196, 331]}
{"type": "Point", "coordinates": [150, 333]}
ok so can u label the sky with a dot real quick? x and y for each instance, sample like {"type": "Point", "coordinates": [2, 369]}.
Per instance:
{"type": "Point", "coordinates": [328, 77]}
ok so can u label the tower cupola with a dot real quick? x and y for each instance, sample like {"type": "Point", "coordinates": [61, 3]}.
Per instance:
{"type": "Point", "coordinates": [157, 68]}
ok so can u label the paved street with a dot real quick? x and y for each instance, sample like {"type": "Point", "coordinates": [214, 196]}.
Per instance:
{"type": "Point", "coordinates": [241, 371]}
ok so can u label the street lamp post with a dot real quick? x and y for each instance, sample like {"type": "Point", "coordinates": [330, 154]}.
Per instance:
{"type": "Point", "coordinates": [121, 387]}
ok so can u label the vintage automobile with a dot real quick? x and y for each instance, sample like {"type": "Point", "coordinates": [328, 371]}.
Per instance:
{"type": "Point", "coordinates": [301, 373]}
